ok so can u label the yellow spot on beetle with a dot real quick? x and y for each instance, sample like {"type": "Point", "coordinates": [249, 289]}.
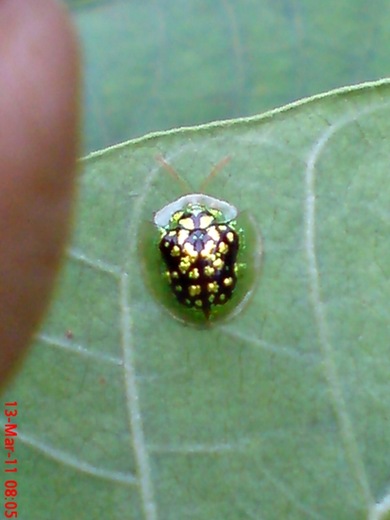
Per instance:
{"type": "Point", "coordinates": [223, 248]}
{"type": "Point", "coordinates": [187, 223]}
{"type": "Point", "coordinates": [214, 233]}
{"type": "Point", "coordinates": [190, 250]}
{"type": "Point", "coordinates": [230, 237]}
{"type": "Point", "coordinates": [178, 288]}
{"type": "Point", "coordinates": [209, 271]}
{"type": "Point", "coordinates": [175, 251]}
{"type": "Point", "coordinates": [177, 216]}
{"type": "Point", "coordinates": [205, 221]}
{"type": "Point", "coordinates": [218, 263]}
{"type": "Point", "coordinates": [194, 273]}
{"type": "Point", "coordinates": [215, 212]}
{"type": "Point", "coordinates": [198, 303]}
{"type": "Point", "coordinates": [184, 264]}
{"type": "Point", "coordinates": [208, 248]}
{"type": "Point", "coordinates": [194, 290]}
{"type": "Point", "coordinates": [182, 236]}
{"type": "Point", "coordinates": [228, 281]}
{"type": "Point", "coordinates": [212, 287]}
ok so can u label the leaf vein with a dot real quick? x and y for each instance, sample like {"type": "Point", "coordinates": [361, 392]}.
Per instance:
{"type": "Point", "coordinates": [77, 349]}
{"type": "Point", "coordinates": [132, 393]}
{"type": "Point", "coordinates": [97, 264]}
{"type": "Point", "coordinates": [75, 462]}
{"type": "Point", "coordinates": [326, 347]}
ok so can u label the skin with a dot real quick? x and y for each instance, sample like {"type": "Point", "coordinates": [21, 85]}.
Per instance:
{"type": "Point", "coordinates": [39, 107]}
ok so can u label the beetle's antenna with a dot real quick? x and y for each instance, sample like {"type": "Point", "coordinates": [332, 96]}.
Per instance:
{"type": "Point", "coordinates": [216, 169]}
{"type": "Point", "coordinates": [160, 159]}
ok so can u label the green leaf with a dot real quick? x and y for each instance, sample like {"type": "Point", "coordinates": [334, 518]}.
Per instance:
{"type": "Point", "coordinates": [280, 413]}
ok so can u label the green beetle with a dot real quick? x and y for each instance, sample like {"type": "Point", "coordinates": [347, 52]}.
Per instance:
{"type": "Point", "coordinates": [201, 258]}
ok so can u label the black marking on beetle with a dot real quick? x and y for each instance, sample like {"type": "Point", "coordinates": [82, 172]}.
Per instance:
{"type": "Point", "coordinates": [199, 249]}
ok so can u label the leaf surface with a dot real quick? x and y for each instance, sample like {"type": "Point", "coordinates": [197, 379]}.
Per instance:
{"type": "Point", "coordinates": [280, 413]}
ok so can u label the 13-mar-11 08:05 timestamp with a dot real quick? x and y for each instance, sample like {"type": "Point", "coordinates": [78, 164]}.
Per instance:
{"type": "Point", "coordinates": [10, 460]}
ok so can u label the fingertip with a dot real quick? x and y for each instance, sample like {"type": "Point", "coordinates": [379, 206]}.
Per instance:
{"type": "Point", "coordinates": [39, 125]}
